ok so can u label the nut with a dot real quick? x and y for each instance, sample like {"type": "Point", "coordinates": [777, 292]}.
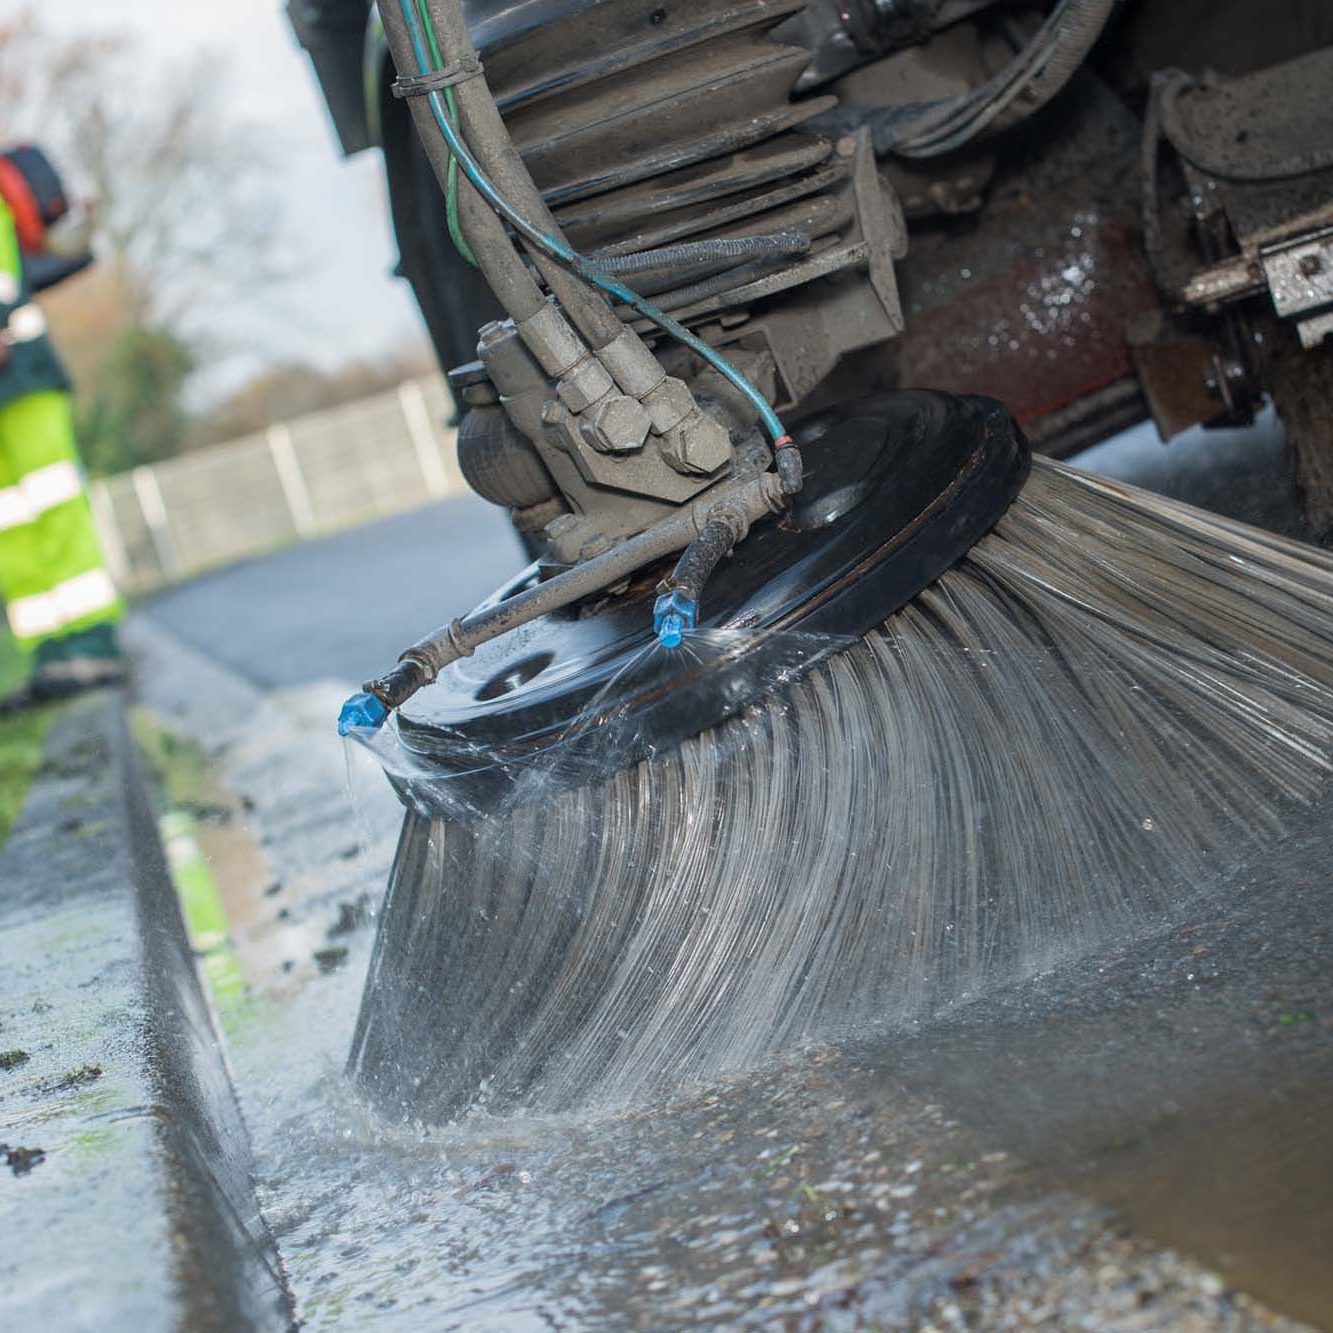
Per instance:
{"type": "Point", "coordinates": [562, 427]}
{"type": "Point", "coordinates": [700, 444]}
{"type": "Point", "coordinates": [552, 341]}
{"type": "Point", "coordinates": [565, 542]}
{"type": "Point", "coordinates": [616, 425]}
{"type": "Point", "coordinates": [669, 404]}
{"type": "Point", "coordinates": [584, 384]}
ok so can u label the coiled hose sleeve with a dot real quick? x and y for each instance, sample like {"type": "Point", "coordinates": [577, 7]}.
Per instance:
{"type": "Point", "coordinates": [702, 556]}
{"type": "Point", "coordinates": [676, 610]}
{"type": "Point", "coordinates": [680, 297]}
{"type": "Point", "coordinates": [667, 268]}
{"type": "Point", "coordinates": [483, 128]}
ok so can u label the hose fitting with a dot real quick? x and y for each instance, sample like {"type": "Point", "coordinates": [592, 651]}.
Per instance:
{"type": "Point", "coordinates": [791, 470]}
{"type": "Point", "coordinates": [362, 711]}
{"type": "Point", "coordinates": [674, 612]}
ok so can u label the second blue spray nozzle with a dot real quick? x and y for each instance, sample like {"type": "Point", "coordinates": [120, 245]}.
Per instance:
{"type": "Point", "coordinates": [674, 612]}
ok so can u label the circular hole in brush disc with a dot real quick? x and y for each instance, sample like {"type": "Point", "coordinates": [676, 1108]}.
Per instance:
{"type": "Point", "coordinates": [898, 488]}
{"type": "Point", "coordinates": [514, 676]}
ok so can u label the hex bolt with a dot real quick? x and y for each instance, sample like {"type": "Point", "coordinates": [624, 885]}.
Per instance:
{"type": "Point", "coordinates": [699, 445]}
{"type": "Point", "coordinates": [617, 424]}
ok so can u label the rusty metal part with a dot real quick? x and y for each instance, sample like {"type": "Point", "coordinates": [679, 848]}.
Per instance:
{"type": "Point", "coordinates": [1032, 305]}
{"type": "Point", "coordinates": [1302, 382]}
{"type": "Point", "coordinates": [1232, 279]}
{"type": "Point", "coordinates": [1037, 318]}
{"type": "Point", "coordinates": [1189, 380]}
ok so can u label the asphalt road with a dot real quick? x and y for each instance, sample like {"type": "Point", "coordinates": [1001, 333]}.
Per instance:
{"type": "Point", "coordinates": [344, 607]}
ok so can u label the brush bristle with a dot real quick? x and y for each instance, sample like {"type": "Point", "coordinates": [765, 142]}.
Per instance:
{"type": "Point", "coordinates": [1113, 701]}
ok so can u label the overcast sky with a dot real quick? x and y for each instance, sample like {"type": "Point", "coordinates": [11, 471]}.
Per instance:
{"type": "Point", "coordinates": [346, 304]}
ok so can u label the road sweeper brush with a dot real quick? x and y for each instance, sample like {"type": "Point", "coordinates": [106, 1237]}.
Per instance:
{"type": "Point", "coordinates": [822, 821]}
{"type": "Point", "coordinates": [805, 716]}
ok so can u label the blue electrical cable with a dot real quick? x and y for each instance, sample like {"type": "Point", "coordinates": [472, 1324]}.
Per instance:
{"type": "Point", "coordinates": [563, 253]}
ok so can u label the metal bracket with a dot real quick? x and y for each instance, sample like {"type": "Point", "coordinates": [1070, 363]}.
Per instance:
{"type": "Point", "coordinates": [879, 215]}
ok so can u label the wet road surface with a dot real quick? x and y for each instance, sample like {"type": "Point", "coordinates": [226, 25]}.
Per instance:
{"type": "Point", "coordinates": [344, 607]}
{"type": "Point", "coordinates": [958, 1173]}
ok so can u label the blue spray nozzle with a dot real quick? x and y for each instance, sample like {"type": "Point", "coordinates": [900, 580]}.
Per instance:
{"type": "Point", "coordinates": [362, 712]}
{"type": "Point", "coordinates": [674, 612]}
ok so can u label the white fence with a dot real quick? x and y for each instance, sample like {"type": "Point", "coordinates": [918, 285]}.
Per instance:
{"type": "Point", "coordinates": [302, 478]}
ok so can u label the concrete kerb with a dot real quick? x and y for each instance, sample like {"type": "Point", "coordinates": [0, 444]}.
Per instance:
{"type": "Point", "coordinates": [126, 1197]}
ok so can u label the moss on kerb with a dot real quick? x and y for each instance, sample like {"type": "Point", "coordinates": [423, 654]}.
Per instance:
{"type": "Point", "coordinates": [178, 765]}
{"type": "Point", "coordinates": [14, 662]}
{"type": "Point", "coordinates": [22, 739]}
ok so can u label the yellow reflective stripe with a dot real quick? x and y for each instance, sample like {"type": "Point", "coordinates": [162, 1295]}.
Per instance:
{"type": "Point", "coordinates": [52, 485]}
{"type": "Point", "coordinates": [45, 613]}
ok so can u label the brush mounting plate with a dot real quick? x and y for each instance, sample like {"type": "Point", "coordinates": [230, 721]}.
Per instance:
{"type": "Point", "coordinates": [898, 488]}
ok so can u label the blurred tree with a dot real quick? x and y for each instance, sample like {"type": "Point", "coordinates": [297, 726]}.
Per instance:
{"type": "Point", "coordinates": [133, 411]}
{"type": "Point", "coordinates": [185, 223]}
{"type": "Point", "coordinates": [293, 390]}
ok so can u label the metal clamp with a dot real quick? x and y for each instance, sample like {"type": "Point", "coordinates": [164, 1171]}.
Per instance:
{"type": "Point", "coordinates": [422, 85]}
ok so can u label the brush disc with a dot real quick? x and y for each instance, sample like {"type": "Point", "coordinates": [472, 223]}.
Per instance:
{"type": "Point", "coordinates": [898, 488]}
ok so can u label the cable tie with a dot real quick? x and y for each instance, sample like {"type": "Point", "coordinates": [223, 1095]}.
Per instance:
{"type": "Point", "coordinates": [422, 85]}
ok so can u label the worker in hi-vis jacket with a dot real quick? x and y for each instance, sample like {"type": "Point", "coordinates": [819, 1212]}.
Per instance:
{"type": "Point", "coordinates": [58, 597]}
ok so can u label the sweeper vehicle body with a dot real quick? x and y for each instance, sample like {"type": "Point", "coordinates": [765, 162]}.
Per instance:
{"type": "Point", "coordinates": [755, 313]}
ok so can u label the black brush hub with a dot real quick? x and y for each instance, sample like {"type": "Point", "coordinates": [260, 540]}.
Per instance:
{"type": "Point", "coordinates": [898, 488]}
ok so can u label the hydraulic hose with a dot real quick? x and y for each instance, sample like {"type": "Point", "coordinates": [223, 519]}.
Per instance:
{"type": "Point", "coordinates": [1021, 89]}
{"type": "Point", "coordinates": [786, 454]}
{"type": "Point", "coordinates": [508, 277]}
{"type": "Point", "coordinates": [736, 504]}
{"type": "Point", "coordinates": [481, 126]}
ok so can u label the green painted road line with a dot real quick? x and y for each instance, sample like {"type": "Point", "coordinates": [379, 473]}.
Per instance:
{"type": "Point", "coordinates": [206, 922]}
